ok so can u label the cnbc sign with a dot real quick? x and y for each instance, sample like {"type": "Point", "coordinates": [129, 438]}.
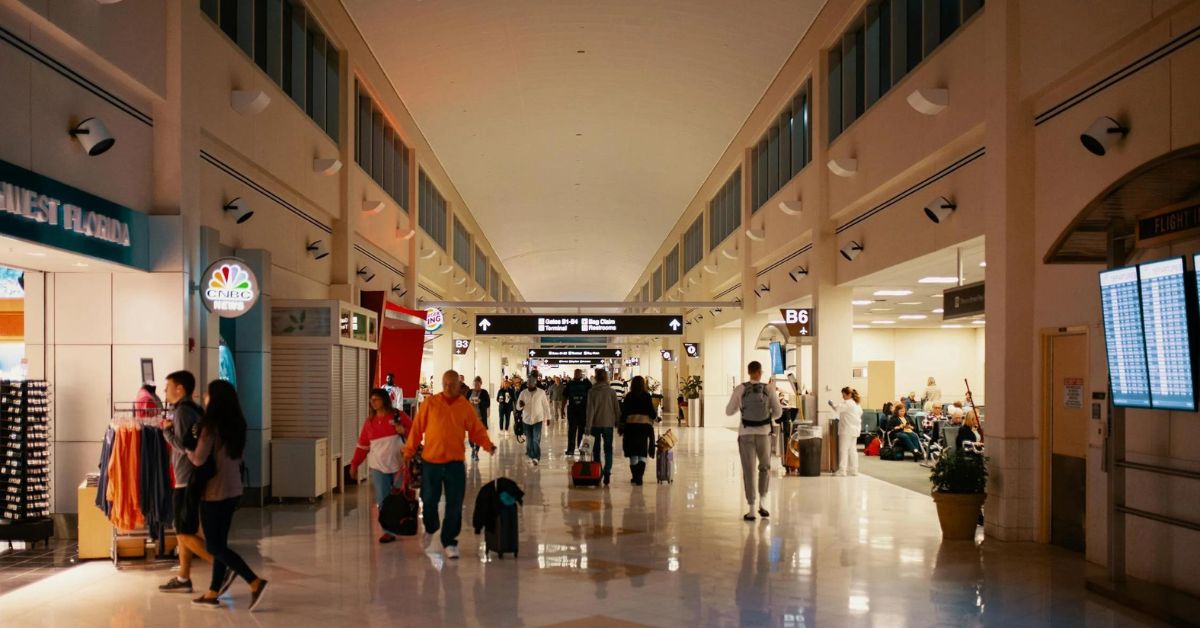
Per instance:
{"type": "Point", "coordinates": [230, 288]}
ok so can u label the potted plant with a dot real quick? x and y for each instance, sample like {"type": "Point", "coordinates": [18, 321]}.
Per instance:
{"type": "Point", "coordinates": [691, 387]}
{"type": "Point", "coordinates": [959, 490]}
{"type": "Point", "coordinates": [655, 391]}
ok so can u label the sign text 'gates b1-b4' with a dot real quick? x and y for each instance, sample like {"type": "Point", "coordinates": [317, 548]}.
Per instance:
{"type": "Point", "coordinates": [578, 325]}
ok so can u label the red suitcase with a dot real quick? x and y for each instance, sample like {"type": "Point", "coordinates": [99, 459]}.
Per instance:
{"type": "Point", "coordinates": [585, 473]}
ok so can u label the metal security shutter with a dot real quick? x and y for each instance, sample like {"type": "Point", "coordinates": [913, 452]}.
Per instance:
{"type": "Point", "coordinates": [334, 421]}
{"type": "Point", "coordinates": [351, 398]}
{"type": "Point", "coordinates": [300, 392]}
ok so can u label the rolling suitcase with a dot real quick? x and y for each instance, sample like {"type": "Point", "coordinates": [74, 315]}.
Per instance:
{"type": "Point", "coordinates": [502, 537]}
{"type": "Point", "coordinates": [586, 472]}
{"type": "Point", "coordinates": [664, 466]}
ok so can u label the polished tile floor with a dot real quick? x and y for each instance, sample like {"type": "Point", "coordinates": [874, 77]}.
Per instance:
{"type": "Point", "coordinates": [835, 552]}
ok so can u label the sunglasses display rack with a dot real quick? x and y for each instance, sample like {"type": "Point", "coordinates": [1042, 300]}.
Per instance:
{"type": "Point", "coordinates": [24, 459]}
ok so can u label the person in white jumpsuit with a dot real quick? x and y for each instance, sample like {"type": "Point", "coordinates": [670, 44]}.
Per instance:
{"type": "Point", "coordinates": [849, 426]}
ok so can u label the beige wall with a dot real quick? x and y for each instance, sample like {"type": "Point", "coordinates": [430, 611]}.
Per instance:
{"type": "Point", "coordinates": [949, 355]}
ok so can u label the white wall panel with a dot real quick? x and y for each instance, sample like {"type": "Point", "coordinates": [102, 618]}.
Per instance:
{"type": "Point", "coordinates": [82, 394]}
{"type": "Point", "coordinates": [147, 308]}
{"type": "Point", "coordinates": [87, 293]}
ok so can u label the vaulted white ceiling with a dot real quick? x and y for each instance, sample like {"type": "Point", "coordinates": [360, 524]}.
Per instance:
{"type": "Point", "coordinates": [577, 131]}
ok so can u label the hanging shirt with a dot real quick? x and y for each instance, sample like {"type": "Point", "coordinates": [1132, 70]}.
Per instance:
{"type": "Point", "coordinates": [123, 482]}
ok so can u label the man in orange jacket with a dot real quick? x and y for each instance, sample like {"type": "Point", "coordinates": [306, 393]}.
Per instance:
{"type": "Point", "coordinates": [442, 422]}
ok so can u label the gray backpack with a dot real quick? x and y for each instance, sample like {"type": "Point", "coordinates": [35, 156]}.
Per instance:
{"type": "Point", "coordinates": [756, 404]}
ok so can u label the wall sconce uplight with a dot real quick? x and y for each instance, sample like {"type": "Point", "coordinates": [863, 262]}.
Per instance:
{"type": "Point", "coordinates": [93, 136]}
{"type": "Point", "coordinates": [845, 167]}
{"type": "Point", "coordinates": [239, 209]}
{"type": "Point", "coordinates": [929, 100]}
{"type": "Point", "coordinates": [939, 209]}
{"type": "Point", "coordinates": [327, 167]}
{"type": "Point", "coordinates": [249, 102]}
{"type": "Point", "coordinates": [791, 208]}
{"type": "Point", "coordinates": [370, 208]}
{"type": "Point", "coordinates": [317, 249]}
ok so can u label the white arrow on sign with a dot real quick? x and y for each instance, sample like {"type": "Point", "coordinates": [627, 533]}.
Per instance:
{"type": "Point", "coordinates": [532, 353]}
{"type": "Point", "coordinates": [484, 324]}
{"type": "Point", "coordinates": [674, 324]}
{"type": "Point", "coordinates": [619, 354]}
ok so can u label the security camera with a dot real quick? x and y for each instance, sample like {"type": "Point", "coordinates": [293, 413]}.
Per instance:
{"type": "Point", "coordinates": [366, 274]}
{"type": "Point", "coordinates": [318, 249]}
{"type": "Point", "coordinates": [798, 273]}
{"type": "Point", "coordinates": [239, 209]}
{"type": "Point", "coordinates": [93, 136]}
{"type": "Point", "coordinates": [939, 209]}
{"type": "Point", "coordinates": [851, 250]}
{"type": "Point", "coordinates": [1102, 134]}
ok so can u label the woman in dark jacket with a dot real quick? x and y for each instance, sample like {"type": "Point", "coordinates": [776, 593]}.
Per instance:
{"type": "Point", "coordinates": [636, 427]}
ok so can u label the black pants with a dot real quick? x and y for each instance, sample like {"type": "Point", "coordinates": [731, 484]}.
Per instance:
{"type": "Point", "coordinates": [575, 425]}
{"type": "Point", "coordinates": [216, 518]}
{"type": "Point", "coordinates": [505, 416]}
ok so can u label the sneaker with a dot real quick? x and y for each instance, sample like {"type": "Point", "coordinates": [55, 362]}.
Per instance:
{"type": "Point", "coordinates": [839, 474]}
{"type": "Point", "coordinates": [230, 576]}
{"type": "Point", "coordinates": [426, 539]}
{"type": "Point", "coordinates": [762, 512]}
{"type": "Point", "coordinates": [257, 596]}
{"type": "Point", "coordinates": [535, 462]}
{"type": "Point", "coordinates": [452, 552]}
{"type": "Point", "coordinates": [176, 585]}
{"type": "Point", "coordinates": [475, 456]}
{"type": "Point", "coordinates": [387, 538]}
{"type": "Point", "coordinates": [206, 602]}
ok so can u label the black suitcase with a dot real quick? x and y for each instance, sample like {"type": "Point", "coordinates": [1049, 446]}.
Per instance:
{"type": "Point", "coordinates": [502, 537]}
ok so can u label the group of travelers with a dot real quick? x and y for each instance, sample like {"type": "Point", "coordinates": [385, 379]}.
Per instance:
{"type": "Point", "coordinates": [207, 445]}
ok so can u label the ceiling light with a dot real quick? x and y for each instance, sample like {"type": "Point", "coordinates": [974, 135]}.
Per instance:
{"type": "Point", "coordinates": [892, 293]}
{"type": "Point", "coordinates": [951, 326]}
{"type": "Point", "coordinates": [880, 309]}
{"type": "Point", "coordinates": [910, 303]}
{"type": "Point", "coordinates": [851, 250]}
{"type": "Point", "coordinates": [249, 102]}
{"type": "Point", "coordinates": [317, 249]}
{"type": "Point", "coordinates": [93, 136]}
{"type": "Point", "coordinates": [1102, 134]}
{"type": "Point", "coordinates": [935, 296]}
{"type": "Point", "coordinates": [239, 209]}
{"type": "Point", "coordinates": [860, 326]}
{"type": "Point", "coordinates": [861, 302]}
{"type": "Point", "coordinates": [883, 322]}
{"type": "Point", "coordinates": [939, 209]}
{"type": "Point", "coordinates": [913, 317]}
{"type": "Point", "coordinates": [978, 322]}
{"type": "Point", "coordinates": [80, 265]}
{"type": "Point", "coordinates": [938, 279]}
{"type": "Point", "coordinates": [929, 100]}
{"type": "Point", "coordinates": [938, 311]}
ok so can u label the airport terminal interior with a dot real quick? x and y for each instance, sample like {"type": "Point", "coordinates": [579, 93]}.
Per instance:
{"type": "Point", "coordinates": [567, 313]}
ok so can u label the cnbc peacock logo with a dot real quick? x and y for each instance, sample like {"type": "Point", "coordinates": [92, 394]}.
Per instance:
{"type": "Point", "coordinates": [231, 289]}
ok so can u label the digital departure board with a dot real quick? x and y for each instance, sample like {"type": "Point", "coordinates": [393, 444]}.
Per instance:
{"type": "Point", "coordinates": [1126, 348]}
{"type": "Point", "coordinates": [1168, 339]}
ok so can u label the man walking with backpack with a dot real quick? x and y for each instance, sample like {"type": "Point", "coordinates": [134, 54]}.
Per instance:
{"type": "Point", "coordinates": [759, 406]}
{"type": "Point", "coordinates": [575, 397]}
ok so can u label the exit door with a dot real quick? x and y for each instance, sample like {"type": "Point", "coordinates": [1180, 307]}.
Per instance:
{"type": "Point", "coordinates": [1068, 439]}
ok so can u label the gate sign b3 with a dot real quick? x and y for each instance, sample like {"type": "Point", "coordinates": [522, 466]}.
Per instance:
{"type": "Point", "coordinates": [799, 322]}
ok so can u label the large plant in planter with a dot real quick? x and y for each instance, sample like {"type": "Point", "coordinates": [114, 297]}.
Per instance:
{"type": "Point", "coordinates": [959, 483]}
{"type": "Point", "coordinates": [691, 387]}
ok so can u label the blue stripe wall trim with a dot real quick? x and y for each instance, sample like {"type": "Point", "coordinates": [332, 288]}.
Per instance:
{"type": "Point", "coordinates": [941, 174]}
{"type": "Point", "coordinates": [1121, 74]}
{"type": "Point", "coordinates": [71, 75]}
{"type": "Point", "coordinates": [798, 252]}
{"type": "Point", "coordinates": [377, 259]}
{"type": "Point", "coordinates": [233, 172]}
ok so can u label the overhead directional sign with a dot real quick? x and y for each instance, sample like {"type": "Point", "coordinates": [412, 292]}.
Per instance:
{"type": "Point", "coordinates": [692, 349]}
{"type": "Point", "coordinates": [571, 362]}
{"type": "Point", "coordinates": [799, 322]}
{"type": "Point", "coordinates": [578, 325]}
{"type": "Point", "coordinates": [576, 353]}
{"type": "Point", "coordinates": [667, 355]}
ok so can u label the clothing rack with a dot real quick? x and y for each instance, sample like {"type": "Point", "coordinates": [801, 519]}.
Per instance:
{"type": "Point", "coordinates": [156, 529]}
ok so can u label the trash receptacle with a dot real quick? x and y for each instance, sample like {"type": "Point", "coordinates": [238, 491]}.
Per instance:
{"type": "Point", "coordinates": [806, 441]}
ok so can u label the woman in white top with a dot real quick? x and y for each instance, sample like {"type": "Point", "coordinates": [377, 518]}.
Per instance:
{"type": "Point", "coordinates": [932, 392]}
{"type": "Point", "coordinates": [849, 426]}
{"type": "Point", "coordinates": [533, 407]}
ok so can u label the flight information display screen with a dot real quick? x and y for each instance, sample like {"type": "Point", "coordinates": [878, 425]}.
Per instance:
{"type": "Point", "coordinates": [1120, 299]}
{"type": "Point", "coordinates": [1168, 339]}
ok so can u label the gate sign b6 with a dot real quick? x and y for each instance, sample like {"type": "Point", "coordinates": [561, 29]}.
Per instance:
{"type": "Point", "coordinates": [799, 322]}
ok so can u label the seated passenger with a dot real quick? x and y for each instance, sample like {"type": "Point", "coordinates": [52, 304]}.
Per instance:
{"type": "Point", "coordinates": [956, 413]}
{"type": "Point", "coordinates": [885, 418]}
{"type": "Point", "coordinates": [971, 433]}
{"type": "Point", "coordinates": [903, 433]}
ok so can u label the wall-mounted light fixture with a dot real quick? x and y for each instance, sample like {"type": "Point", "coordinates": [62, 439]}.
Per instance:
{"type": "Point", "coordinates": [370, 208]}
{"type": "Point", "coordinates": [447, 269]}
{"type": "Point", "coordinates": [939, 209]}
{"type": "Point", "coordinates": [93, 135]}
{"type": "Point", "coordinates": [327, 167]}
{"type": "Point", "coordinates": [365, 274]}
{"type": "Point", "coordinates": [399, 290]}
{"type": "Point", "coordinates": [317, 249]}
{"type": "Point", "coordinates": [404, 235]}
{"type": "Point", "coordinates": [1102, 134]}
{"type": "Point", "coordinates": [249, 102]}
{"type": "Point", "coordinates": [460, 280]}
{"type": "Point", "coordinates": [929, 100]}
{"type": "Point", "coordinates": [798, 273]}
{"type": "Point", "coordinates": [427, 253]}
{"type": "Point", "coordinates": [844, 167]}
{"type": "Point", "coordinates": [239, 209]}
{"type": "Point", "coordinates": [730, 252]}
{"type": "Point", "coordinates": [762, 289]}
{"type": "Point", "coordinates": [712, 270]}
{"type": "Point", "coordinates": [791, 208]}
{"type": "Point", "coordinates": [852, 250]}
{"type": "Point", "coordinates": [758, 235]}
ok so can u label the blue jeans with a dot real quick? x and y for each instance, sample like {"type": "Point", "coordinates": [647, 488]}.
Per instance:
{"type": "Point", "coordinates": [381, 486]}
{"type": "Point", "coordinates": [453, 477]}
{"type": "Point", "coordinates": [533, 441]}
{"type": "Point", "coordinates": [603, 435]}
